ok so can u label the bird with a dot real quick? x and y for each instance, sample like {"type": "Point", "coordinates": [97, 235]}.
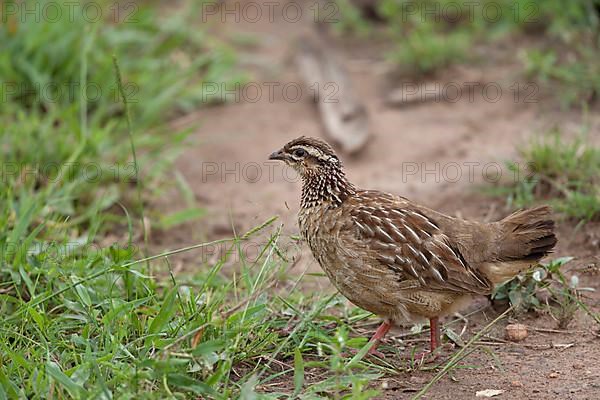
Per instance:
{"type": "Point", "coordinates": [398, 259]}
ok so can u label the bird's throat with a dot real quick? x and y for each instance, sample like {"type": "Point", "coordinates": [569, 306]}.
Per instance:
{"type": "Point", "coordinates": [327, 186]}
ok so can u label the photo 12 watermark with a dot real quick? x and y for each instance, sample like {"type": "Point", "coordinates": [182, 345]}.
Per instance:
{"type": "Point", "coordinates": [270, 91]}
{"type": "Point", "coordinates": [55, 252]}
{"type": "Point", "coordinates": [459, 11]}
{"type": "Point", "coordinates": [51, 172]}
{"type": "Point", "coordinates": [66, 92]}
{"type": "Point", "coordinates": [468, 92]}
{"type": "Point", "coordinates": [270, 11]}
{"type": "Point", "coordinates": [465, 171]}
{"type": "Point", "coordinates": [69, 11]}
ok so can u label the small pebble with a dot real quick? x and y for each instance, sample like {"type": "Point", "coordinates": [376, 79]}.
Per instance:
{"type": "Point", "coordinates": [516, 384]}
{"type": "Point", "coordinates": [515, 332]}
{"type": "Point", "coordinates": [553, 375]}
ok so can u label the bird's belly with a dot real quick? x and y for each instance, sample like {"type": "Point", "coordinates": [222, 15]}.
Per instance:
{"type": "Point", "coordinates": [365, 286]}
{"type": "Point", "coordinates": [360, 288]}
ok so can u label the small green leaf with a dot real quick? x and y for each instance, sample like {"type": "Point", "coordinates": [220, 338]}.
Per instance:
{"type": "Point", "coordinates": [247, 391]}
{"type": "Point", "coordinates": [361, 354]}
{"type": "Point", "coordinates": [562, 260]}
{"type": "Point", "coordinates": [8, 387]}
{"type": "Point", "coordinates": [165, 313]}
{"type": "Point", "coordinates": [120, 268]}
{"type": "Point", "coordinates": [298, 372]}
{"type": "Point", "coordinates": [246, 314]}
{"type": "Point", "coordinates": [28, 282]}
{"type": "Point", "coordinates": [37, 317]}
{"type": "Point", "coordinates": [210, 346]}
{"type": "Point", "coordinates": [129, 307]}
{"type": "Point", "coordinates": [73, 388]}
{"type": "Point", "coordinates": [516, 298]}
{"type": "Point", "coordinates": [82, 292]}
{"type": "Point", "coordinates": [186, 383]}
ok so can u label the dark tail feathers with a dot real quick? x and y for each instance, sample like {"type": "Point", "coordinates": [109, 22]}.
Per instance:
{"type": "Point", "coordinates": [527, 234]}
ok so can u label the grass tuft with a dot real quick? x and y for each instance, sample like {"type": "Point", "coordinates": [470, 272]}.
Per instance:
{"type": "Point", "coordinates": [564, 172]}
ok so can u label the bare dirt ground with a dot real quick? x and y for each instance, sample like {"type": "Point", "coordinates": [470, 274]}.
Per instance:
{"type": "Point", "coordinates": [226, 165]}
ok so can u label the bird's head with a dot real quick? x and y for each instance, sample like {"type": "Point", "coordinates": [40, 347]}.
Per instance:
{"type": "Point", "coordinates": [308, 156]}
{"type": "Point", "coordinates": [321, 170]}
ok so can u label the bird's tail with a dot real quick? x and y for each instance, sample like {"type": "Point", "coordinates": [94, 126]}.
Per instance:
{"type": "Point", "coordinates": [525, 237]}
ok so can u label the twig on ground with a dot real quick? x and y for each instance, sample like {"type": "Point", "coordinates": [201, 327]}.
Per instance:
{"type": "Point", "coordinates": [547, 330]}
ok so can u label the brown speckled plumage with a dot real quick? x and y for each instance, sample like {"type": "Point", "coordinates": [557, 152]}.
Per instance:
{"type": "Point", "coordinates": [398, 259]}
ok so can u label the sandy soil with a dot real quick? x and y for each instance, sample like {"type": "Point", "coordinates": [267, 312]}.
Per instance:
{"type": "Point", "coordinates": [433, 152]}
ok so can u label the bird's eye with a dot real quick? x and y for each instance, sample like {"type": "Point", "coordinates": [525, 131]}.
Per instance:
{"type": "Point", "coordinates": [299, 153]}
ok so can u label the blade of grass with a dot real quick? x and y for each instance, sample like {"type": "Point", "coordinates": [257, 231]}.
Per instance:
{"type": "Point", "coordinates": [298, 372]}
{"type": "Point", "coordinates": [138, 182]}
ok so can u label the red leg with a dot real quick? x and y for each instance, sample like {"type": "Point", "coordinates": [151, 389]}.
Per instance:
{"type": "Point", "coordinates": [434, 340]}
{"type": "Point", "coordinates": [379, 334]}
{"type": "Point", "coordinates": [434, 332]}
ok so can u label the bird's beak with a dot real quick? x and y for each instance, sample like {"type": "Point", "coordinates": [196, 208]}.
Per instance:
{"type": "Point", "coordinates": [277, 155]}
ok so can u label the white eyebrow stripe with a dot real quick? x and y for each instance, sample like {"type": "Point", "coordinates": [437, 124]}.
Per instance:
{"type": "Point", "coordinates": [312, 151]}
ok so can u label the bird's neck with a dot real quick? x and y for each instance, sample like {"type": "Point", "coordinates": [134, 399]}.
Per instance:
{"type": "Point", "coordinates": [328, 186]}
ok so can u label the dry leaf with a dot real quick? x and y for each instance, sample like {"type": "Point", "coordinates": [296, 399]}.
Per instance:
{"type": "Point", "coordinates": [197, 337]}
{"type": "Point", "coordinates": [489, 393]}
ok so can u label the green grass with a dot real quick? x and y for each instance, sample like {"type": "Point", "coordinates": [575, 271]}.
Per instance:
{"type": "Point", "coordinates": [429, 36]}
{"type": "Point", "coordinates": [61, 148]}
{"type": "Point", "coordinates": [344, 18]}
{"type": "Point", "coordinates": [560, 171]}
{"type": "Point", "coordinates": [48, 65]}
{"type": "Point", "coordinates": [91, 324]}
{"type": "Point", "coordinates": [547, 289]}
{"type": "Point", "coordinates": [85, 312]}
{"type": "Point", "coordinates": [69, 181]}
{"type": "Point", "coordinates": [81, 316]}
{"type": "Point", "coordinates": [562, 55]}
{"type": "Point", "coordinates": [572, 77]}
{"type": "Point", "coordinates": [568, 66]}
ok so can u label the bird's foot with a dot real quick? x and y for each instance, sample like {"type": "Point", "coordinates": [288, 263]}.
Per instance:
{"type": "Point", "coordinates": [426, 356]}
{"type": "Point", "coordinates": [374, 352]}
{"type": "Point", "coordinates": [379, 334]}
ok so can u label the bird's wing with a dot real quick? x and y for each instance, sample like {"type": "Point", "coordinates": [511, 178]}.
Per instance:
{"type": "Point", "coordinates": [412, 244]}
